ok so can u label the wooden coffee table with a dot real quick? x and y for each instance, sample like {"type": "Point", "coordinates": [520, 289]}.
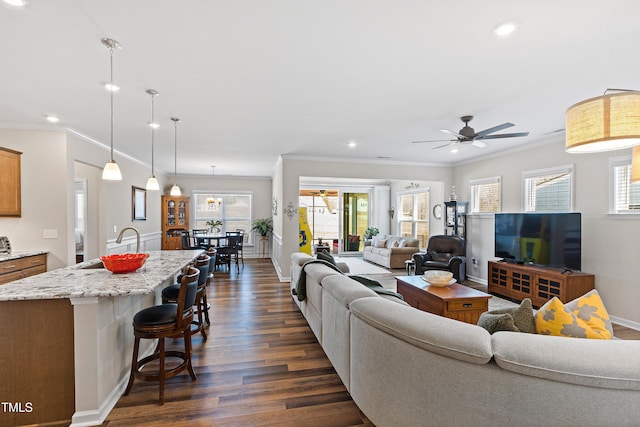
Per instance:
{"type": "Point", "coordinates": [454, 301]}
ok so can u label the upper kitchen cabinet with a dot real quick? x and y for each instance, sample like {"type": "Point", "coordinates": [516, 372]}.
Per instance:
{"type": "Point", "coordinates": [10, 199]}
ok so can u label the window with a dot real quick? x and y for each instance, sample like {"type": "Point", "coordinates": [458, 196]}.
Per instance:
{"type": "Point", "coordinates": [413, 220]}
{"type": "Point", "coordinates": [485, 195]}
{"type": "Point", "coordinates": [234, 210]}
{"type": "Point", "coordinates": [548, 190]}
{"type": "Point", "coordinates": [625, 195]}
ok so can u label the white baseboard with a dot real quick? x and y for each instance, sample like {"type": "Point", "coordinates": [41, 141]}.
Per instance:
{"type": "Point", "coordinates": [626, 323]}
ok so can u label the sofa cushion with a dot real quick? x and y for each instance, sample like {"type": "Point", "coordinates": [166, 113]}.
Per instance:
{"type": "Point", "coordinates": [554, 318]}
{"type": "Point", "coordinates": [516, 319]}
{"type": "Point", "coordinates": [379, 243]}
{"type": "Point", "coordinates": [590, 309]}
{"type": "Point", "coordinates": [597, 363]}
{"type": "Point", "coordinates": [437, 334]}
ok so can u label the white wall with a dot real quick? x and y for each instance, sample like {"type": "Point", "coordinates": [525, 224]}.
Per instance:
{"type": "Point", "coordinates": [609, 248]}
{"type": "Point", "coordinates": [294, 168]}
{"type": "Point", "coordinates": [259, 187]}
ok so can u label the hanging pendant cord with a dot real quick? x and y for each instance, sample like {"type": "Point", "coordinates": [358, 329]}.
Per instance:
{"type": "Point", "coordinates": [111, 109]}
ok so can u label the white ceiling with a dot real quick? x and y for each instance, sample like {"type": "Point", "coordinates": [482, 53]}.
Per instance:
{"type": "Point", "coordinates": [254, 79]}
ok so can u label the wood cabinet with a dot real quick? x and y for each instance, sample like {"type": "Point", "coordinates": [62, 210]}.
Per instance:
{"type": "Point", "coordinates": [540, 284]}
{"type": "Point", "coordinates": [175, 219]}
{"type": "Point", "coordinates": [10, 195]}
{"type": "Point", "coordinates": [455, 218]}
{"type": "Point", "coordinates": [19, 268]}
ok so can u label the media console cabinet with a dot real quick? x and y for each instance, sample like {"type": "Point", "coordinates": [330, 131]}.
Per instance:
{"type": "Point", "coordinates": [540, 284]}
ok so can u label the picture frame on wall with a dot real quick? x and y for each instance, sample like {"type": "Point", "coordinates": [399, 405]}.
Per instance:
{"type": "Point", "coordinates": [138, 204]}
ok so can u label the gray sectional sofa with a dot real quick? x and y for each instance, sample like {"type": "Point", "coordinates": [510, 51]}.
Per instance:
{"type": "Point", "coordinates": [406, 367]}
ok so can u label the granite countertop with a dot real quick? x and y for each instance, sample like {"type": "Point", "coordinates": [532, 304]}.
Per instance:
{"type": "Point", "coordinates": [78, 281]}
{"type": "Point", "coordinates": [19, 254]}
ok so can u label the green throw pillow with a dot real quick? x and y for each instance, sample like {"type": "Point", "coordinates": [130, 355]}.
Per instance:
{"type": "Point", "coordinates": [522, 319]}
{"type": "Point", "coordinates": [497, 322]}
{"type": "Point", "coordinates": [326, 257]}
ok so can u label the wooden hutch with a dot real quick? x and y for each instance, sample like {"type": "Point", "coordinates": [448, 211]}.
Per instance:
{"type": "Point", "coordinates": [175, 219]}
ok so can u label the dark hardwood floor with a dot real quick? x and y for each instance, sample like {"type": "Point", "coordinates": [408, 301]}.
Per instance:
{"type": "Point", "coordinates": [261, 365]}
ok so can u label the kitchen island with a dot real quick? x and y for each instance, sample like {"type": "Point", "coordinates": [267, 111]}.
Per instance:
{"type": "Point", "coordinates": [67, 338]}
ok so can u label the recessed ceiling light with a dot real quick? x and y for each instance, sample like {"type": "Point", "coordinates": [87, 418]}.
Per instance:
{"type": "Point", "coordinates": [154, 125]}
{"type": "Point", "coordinates": [111, 87]}
{"type": "Point", "coordinates": [52, 119]}
{"type": "Point", "coordinates": [454, 150]}
{"type": "Point", "coordinates": [504, 29]}
{"type": "Point", "coordinates": [351, 144]}
{"type": "Point", "coordinates": [19, 3]}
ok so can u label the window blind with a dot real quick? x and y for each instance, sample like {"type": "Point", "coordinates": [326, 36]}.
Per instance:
{"type": "Point", "coordinates": [485, 195]}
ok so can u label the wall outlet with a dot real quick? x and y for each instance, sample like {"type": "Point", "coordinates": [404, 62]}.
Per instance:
{"type": "Point", "coordinates": [50, 234]}
{"type": "Point", "coordinates": [474, 261]}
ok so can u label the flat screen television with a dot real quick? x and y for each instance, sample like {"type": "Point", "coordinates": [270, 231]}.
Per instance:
{"type": "Point", "coordinates": [546, 239]}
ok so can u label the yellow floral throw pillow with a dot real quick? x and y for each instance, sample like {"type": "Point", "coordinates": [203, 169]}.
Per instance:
{"type": "Point", "coordinates": [584, 317]}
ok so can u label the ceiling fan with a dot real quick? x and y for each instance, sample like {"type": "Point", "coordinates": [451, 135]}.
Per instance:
{"type": "Point", "coordinates": [467, 135]}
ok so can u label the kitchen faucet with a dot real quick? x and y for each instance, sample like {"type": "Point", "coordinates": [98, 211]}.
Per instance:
{"type": "Point", "coordinates": [119, 239]}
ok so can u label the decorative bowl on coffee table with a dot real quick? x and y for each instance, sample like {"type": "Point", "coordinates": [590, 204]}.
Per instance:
{"type": "Point", "coordinates": [439, 277]}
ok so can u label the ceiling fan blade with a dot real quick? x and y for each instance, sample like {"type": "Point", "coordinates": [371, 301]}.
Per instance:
{"type": "Point", "coordinates": [505, 135]}
{"type": "Point", "coordinates": [445, 145]}
{"type": "Point", "coordinates": [494, 129]}
{"type": "Point", "coordinates": [433, 140]}
{"type": "Point", "coordinates": [456, 134]}
{"type": "Point", "coordinates": [479, 144]}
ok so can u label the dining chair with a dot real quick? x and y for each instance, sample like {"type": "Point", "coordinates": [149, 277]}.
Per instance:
{"type": "Point", "coordinates": [241, 245]}
{"type": "Point", "coordinates": [199, 238]}
{"type": "Point", "coordinates": [187, 240]}
{"type": "Point", "coordinates": [230, 252]}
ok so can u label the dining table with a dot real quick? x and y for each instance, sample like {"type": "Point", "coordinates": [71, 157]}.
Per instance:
{"type": "Point", "coordinates": [211, 240]}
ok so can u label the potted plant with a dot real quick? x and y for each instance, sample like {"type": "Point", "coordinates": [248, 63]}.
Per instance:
{"type": "Point", "coordinates": [370, 232]}
{"type": "Point", "coordinates": [263, 226]}
{"type": "Point", "coordinates": [214, 225]}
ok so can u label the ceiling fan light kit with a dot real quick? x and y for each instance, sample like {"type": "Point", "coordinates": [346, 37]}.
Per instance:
{"type": "Point", "coordinates": [607, 122]}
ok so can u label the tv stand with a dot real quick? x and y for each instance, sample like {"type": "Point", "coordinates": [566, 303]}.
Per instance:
{"type": "Point", "coordinates": [540, 284]}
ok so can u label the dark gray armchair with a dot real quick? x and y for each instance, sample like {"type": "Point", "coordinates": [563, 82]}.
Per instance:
{"type": "Point", "coordinates": [443, 253]}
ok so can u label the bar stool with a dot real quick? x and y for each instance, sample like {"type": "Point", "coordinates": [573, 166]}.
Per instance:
{"type": "Point", "coordinates": [165, 321]}
{"type": "Point", "coordinates": [170, 294]}
{"type": "Point", "coordinates": [212, 252]}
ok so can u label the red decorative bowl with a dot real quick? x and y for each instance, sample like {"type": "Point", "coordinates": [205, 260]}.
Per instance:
{"type": "Point", "coordinates": [124, 263]}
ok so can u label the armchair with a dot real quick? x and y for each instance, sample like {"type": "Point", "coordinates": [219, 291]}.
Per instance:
{"type": "Point", "coordinates": [443, 253]}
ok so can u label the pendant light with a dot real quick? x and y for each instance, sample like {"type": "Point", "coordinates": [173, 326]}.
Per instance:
{"type": "Point", "coordinates": [607, 122]}
{"type": "Point", "coordinates": [111, 171]}
{"type": "Point", "coordinates": [152, 182]}
{"type": "Point", "coordinates": [175, 190]}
